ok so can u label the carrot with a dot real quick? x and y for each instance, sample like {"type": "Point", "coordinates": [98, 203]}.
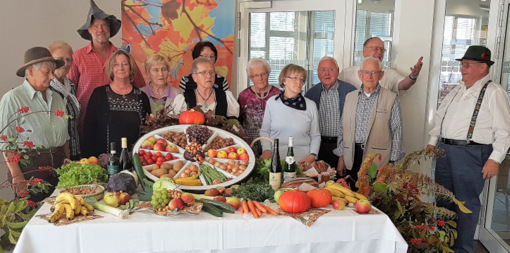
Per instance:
{"type": "Point", "coordinates": [269, 210]}
{"type": "Point", "coordinates": [259, 207]}
{"type": "Point", "coordinates": [244, 205]}
{"type": "Point", "coordinates": [241, 209]}
{"type": "Point", "coordinates": [257, 210]}
{"type": "Point", "coordinates": [253, 209]}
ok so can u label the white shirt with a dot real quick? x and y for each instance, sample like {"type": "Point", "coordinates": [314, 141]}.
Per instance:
{"type": "Point", "coordinates": [179, 105]}
{"type": "Point", "coordinates": [389, 81]}
{"type": "Point", "coordinates": [492, 125]}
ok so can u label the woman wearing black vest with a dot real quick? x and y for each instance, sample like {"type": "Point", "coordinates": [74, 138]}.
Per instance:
{"type": "Point", "coordinates": [207, 94]}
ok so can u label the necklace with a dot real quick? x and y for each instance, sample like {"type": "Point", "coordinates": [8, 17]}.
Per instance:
{"type": "Point", "coordinates": [260, 97]}
{"type": "Point", "coordinates": [157, 93]}
{"type": "Point", "coordinates": [206, 105]}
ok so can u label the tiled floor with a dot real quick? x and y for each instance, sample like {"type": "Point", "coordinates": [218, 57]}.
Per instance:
{"type": "Point", "coordinates": [479, 248]}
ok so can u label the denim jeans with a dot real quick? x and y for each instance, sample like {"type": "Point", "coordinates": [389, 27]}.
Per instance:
{"type": "Point", "coordinates": [460, 171]}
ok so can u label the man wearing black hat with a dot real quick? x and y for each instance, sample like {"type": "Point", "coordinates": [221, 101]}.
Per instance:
{"type": "Point", "coordinates": [88, 69]}
{"type": "Point", "coordinates": [472, 126]}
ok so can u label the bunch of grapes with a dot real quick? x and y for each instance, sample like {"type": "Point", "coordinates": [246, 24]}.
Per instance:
{"type": "Point", "coordinates": [160, 198]}
{"type": "Point", "coordinates": [198, 134]}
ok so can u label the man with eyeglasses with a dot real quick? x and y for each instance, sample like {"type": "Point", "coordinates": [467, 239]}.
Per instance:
{"type": "Point", "coordinates": [329, 96]}
{"type": "Point", "coordinates": [392, 80]}
{"type": "Point", "coordinates": [472, 126]}
{"type": "Point", "coordinates": [371, 123]}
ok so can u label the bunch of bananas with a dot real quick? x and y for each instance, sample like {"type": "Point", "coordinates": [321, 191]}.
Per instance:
{"type": "Point", "coordinates": [344, 194]}
{"type": "Point", "coordinates": [71, 205]}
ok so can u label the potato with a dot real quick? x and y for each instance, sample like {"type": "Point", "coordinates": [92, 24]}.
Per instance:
{"type": "Point", "coordinates": [166, 175]}
{"type": "Point", "coordinates": [154, 167]}
{"type": "Point", "coordinates": [159, 172]}
{"type": "Point", "coordinates": [178, 166]}
{"type": "Point", "coordinates": [172, 173]}
{"type": "Point", "coordinates": [166, 166]}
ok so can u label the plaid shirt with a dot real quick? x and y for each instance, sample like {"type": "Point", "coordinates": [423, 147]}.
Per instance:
{"type": "Point", "coordinates": [329, 113]}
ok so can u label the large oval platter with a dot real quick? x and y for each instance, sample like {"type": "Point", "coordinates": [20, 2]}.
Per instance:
{"type": "Point", "coordinates": [235, 176]}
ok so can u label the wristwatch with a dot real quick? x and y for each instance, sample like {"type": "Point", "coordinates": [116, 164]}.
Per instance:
{"type": "Point", "coordinates": [314, 155]}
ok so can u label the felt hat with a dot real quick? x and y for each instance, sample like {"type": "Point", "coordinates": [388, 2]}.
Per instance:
{"type": "Point", "coordinates": [478, 53]}
{"type": "Point", "coordinates": [36, 55]}
{"type": "Point", "coordinates": [96, 13]}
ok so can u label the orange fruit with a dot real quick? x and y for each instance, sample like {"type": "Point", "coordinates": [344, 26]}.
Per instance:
{"type": "Point", "coordinates": [92, 160]}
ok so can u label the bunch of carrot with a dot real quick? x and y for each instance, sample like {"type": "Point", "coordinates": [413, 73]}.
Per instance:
{"type": "Point", "coordinates": [255, 208]}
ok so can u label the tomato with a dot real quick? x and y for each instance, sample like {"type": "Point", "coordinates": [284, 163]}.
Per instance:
{"type": "Point", "coordinates": [168, 157]}
{"type": "Point", "coordinates": [141, 152]}
{"type": "Point", "coordinates": [154, 157]}
{"type": "Point", "coordinates": [144, 163]}
{"type": "Point", "coordinates": [162, 159]}
{"type": "Point", "coordinates": [159, 162]}
{"type": "Point", "coordinates": [159, 154]}
{"type": "Point", "coordinates": [150, 161]}
{"type": "Point", "coordinates": [147, 156]}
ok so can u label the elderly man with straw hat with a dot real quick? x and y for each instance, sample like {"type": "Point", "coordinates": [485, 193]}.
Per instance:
{"type": "Point", "coordinates": [88, 69]}
{"type": "Point", "coordinates": [33, 114]}
{"type": "Point", "coordinates": [472, 126]}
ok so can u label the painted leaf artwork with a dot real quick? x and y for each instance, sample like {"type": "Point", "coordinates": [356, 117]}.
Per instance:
{"type": "Point", "coordinates": [173, 27]}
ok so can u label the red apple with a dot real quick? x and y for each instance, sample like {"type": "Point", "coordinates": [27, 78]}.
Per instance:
{"type": "Point", "coordinates": [159, 147]}
{"type": "Point", "coordinates": [234, 202]}
{"type": "Point", "coordinates": [244, 156]}
{"type": "Point", "coordinates": [220, 198]}
{"type": "Point", "coordinates": [172, 148]}
{"type": "Point", "coordinates": [232, 155]}
{"type": "Point", "coordinates": [231, 150]}
{"type": "Point", "coordinates": [124, 198]}
{"type": "Point", "coordinates": [338, 204]}
{"type": "Point", "coordinates": [212, 153]}
{"type": "Point", "coordinates": [363, 206]}
{"type": "Point", "coordinates": [176, 204]}
{"type": "Point", "coordinates": [188, 198]}
{"type": "Point", "coordinates": [212, 192]}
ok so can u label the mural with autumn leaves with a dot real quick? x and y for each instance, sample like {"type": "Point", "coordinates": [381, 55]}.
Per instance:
{"type": "Point", "coordinates": [172, 27]}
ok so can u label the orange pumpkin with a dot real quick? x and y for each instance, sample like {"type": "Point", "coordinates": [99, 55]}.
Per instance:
{"type": "Point", "coordinates": [320, 198]}
{"type": "Point", "coordinates": [294, 201]}
{"type": "Point", "coordinates": [191, 117]}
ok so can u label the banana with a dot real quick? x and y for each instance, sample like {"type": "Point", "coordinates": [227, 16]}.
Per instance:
{"type": "Point", "coordinates": [78, 209]}
{"type": "Point", "coordinates": [335, 192]}
{"type": "Point", "coordinates": [84, 211]}
{"type": "Point", "coordinates": [69, 211]}
{"type": "Point", "coordinates": [351, 199]}
{"type": "Point", "coordinates": [344, 190]}
{"type": "Point", "coordinates": [337, 198]}
{"type": "Point", "coordinates": [330, 182]}
{"type": "Point", "coordinates": [88, 207]}
{"type": "Point", "coordinates": [359, 196]}
{"type": "Point", "coordinates": [67, 198]}
{"type": "Point", "coordinates": [80, 199]}
{"type": "Point", "coordinates": [57, 213]}
{"type": "Point", "coordinates": [188, 181]}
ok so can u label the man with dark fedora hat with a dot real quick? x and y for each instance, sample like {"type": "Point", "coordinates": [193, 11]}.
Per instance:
{"type": "Point", "coordinates": [88, 69]}
{"type": "Point", "coordinates": [472, 126]}
{"type": "Point", "coordinates": [37, 126]}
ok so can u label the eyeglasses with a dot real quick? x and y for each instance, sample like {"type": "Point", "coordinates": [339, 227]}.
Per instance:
{"type": "Point", "coordinates": [371, 73]}
{"type": "Point", "coordinates": [468, 64]}
{"type": "Point", "coordinates": [295, 78]}
{"type": "Point", "coordinates": [205, 73]}
{"type": "Point", "coordinates": [212, 57]}
{"type": "Point", "coordinates": [70, 60]}
{"type": "Point", "coordinates": [382, 49]}
{"type": "Point", "coordinates": [258, 75]}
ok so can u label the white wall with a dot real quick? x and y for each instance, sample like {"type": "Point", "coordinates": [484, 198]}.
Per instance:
{"type": "Point", "coordinates": [28, 23]}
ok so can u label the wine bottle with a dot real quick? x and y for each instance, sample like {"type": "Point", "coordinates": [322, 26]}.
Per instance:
{"type": "Point", "coordinates": [125, 161]}
{"type": "Point", "coordinates": [289, 171]}
{"type": "Point", "coordinates": [113, 161]}
{"type": "Point", "coordinates": [275, 174]}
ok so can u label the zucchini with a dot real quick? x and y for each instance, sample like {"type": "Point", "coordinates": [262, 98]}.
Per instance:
{"type": "Point", "coordinates": [137, 164]}
{"type": "Point", "coordinates": [224, 207]}
{"type": "Point", "coordinates": [212, 209]}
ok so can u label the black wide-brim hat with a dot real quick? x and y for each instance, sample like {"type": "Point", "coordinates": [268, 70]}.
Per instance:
{"type": "Point", "coordinates": [96, 13]}
{"type": "Point", "coordinates": [36, 55]}
{"type": "Point", "coordinates": [479, 54]}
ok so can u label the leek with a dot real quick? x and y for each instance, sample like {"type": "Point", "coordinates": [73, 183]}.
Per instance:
{"type": "Point", "coordinates": [123, 214]}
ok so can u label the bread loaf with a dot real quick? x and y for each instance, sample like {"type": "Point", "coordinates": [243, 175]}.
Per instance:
{"type": "Point", "coordinates": [295, 183]}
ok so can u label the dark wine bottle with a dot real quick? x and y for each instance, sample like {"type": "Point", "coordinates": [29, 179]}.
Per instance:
{"type": "Point", "coordinates": [113, 161]}
{"type": "Point", "coordinates": [275, 174]}
{"type": "Point", "coordinates": [125, 162]}
{"type": "Point", "coordinates": [290, 169]}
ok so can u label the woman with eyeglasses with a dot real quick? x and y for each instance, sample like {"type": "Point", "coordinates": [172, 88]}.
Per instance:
{"type": "Point", "coordinates": [291, 114]}
{"type": "Point", "coordinates": [210, 98]}
{"type": "Point", "coordinates": [67, 90]}
{"type": "Point", "coordinates": [252, 100]}
{"type": "Point", "coordinates": [205, 50]}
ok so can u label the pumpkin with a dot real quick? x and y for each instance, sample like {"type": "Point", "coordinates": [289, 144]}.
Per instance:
{"type": "Point", "coordinates": [320, 198]}
{"type": "Point", "coordinates": [191, 117]}
{"type": "Point", "coordinates": [294, 201]}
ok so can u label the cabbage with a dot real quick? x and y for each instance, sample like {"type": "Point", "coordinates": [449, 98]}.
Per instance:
{"type": "Point", "coordinates": [164, 183]}
{"type": "Point", "coordinates": [122, 182]}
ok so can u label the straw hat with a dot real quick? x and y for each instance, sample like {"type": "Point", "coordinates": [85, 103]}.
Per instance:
{"type": "Point", "coordinates": [36, 55]}
{"type": "Point", "coordinates": [97, 13]}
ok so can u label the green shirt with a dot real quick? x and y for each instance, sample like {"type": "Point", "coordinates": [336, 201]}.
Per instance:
{"type": "Point", "coordinates": [41, 128]}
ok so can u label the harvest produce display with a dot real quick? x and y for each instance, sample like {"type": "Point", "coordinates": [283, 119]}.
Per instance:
{"type": "Point", "coordinates": [191, 166]}
{"type": "Point", "coordinates": [70, 205]}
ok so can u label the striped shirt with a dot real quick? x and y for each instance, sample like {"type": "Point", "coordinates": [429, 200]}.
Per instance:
{"type": "Point", "coordinates": [329, 113]}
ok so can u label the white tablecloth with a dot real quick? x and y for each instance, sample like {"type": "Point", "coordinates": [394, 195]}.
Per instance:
{"type": "Point", "coordinates": [337, 231]}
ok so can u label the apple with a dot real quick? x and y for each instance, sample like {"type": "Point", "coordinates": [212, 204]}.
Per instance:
{"type": "Point", "coordinates": [152, 140]}
{"type": "Point", "coordinates": [172, 148]}
{"type": "Point", "coordinates": [147, 144]}
{"type": "Point", "coordinates": [162, 141]}
{"type": "Point", "coordinates": [111, 199]}
{"type": "Point", "coordinates": [228, 192]}
{"type": "Point", "coordinates": [222, 154]}
{"type": "Point", "coordinates": [159, 147]}
{"type": "Point", "coordinates": [279, 193]}
{"type": "Point", "coordinates": [220, 198]}
{"type": "Point", "coordinates": [231, 150]}
{"type": "Point", "coordinates": [363, 206]}
{"type": "Point", "coordinates": [124, 197]}
{"type": "Point", "coordinates": [244, 157]}
{"type": "Point", "coordinates": [212, 153]}
{"type": "Point", "coordinates": [212, 192]}
{"type": "Point", "coordinates": [338, 204]}
{"type": "Point", "coordinates": [188, 198]}
{"type": "Point", "coordinates": [241, 151]}
{"type": "Point", "coordinates": [232, 155]}
{"type": "Point", "coordinates": [234, 202]}
{"type": "Point", "coordinates": [176, 204]}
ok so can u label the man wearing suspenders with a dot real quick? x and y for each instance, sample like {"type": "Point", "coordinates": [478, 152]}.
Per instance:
{"type": "Point", "coordinates": [472, 126]}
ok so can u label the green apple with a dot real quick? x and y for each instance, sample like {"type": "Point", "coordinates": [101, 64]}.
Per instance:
{"type": "Point", "coordinates": [279, 192]}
